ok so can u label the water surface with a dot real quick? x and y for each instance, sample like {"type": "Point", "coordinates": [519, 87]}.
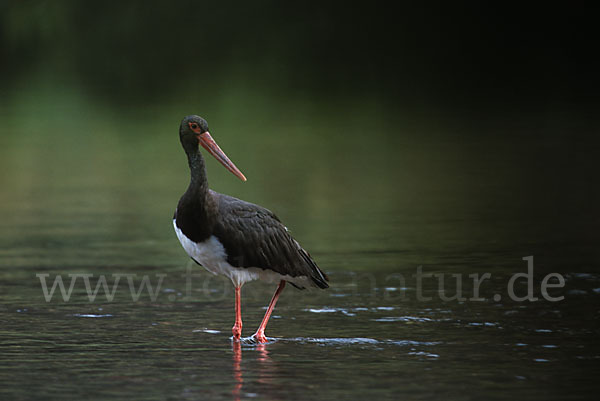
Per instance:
{"type": "Point", "coordinates": [94, 195]}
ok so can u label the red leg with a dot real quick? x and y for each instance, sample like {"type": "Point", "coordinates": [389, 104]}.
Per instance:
{"type": "Point", "coordinates": [260, 333]}
{"type": "Point", "coordinates": [237, 327]}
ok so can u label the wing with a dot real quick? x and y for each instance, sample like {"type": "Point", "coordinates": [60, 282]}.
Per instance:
{"type": "Point", "coordinates": [254, 237]}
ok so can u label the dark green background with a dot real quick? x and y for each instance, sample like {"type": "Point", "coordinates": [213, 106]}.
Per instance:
{"type": "Point", "coordinates": [459, 138]}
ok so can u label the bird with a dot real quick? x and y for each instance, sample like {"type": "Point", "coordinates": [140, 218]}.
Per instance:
{"type": "Point", "coordinates": [235, 238]}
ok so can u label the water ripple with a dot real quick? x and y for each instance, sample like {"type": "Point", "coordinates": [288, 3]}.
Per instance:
{"type": "Point", "coordinates": [209, 331]}
{"type": "Point", "coordinates": [91, 315]}
{"type": "Point", "coordinates": [403, 319]}
{"type": "Point", "coordinates": [360, 341]}
{"type": "Point", "coordinates": [424, 354]}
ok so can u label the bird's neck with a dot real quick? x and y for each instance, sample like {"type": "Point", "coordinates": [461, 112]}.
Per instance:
{"type": "Point", "coordinates": [196, 208]}
{"type": "Point", "coordinates": [198, 181]}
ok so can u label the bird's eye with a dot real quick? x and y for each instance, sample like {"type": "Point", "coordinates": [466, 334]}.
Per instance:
{"type": "Point", "coordinates": [194, 126]}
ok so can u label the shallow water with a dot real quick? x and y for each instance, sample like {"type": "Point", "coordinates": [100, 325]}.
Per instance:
{"type": "Point", "coordinates": [94, 195]}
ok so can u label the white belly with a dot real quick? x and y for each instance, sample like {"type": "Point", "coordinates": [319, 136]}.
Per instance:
{"type": "Point", "coordinates": [212, 256]}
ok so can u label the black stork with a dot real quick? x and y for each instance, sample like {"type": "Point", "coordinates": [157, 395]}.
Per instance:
{"type": "Point", "coordinates": [237, 239]}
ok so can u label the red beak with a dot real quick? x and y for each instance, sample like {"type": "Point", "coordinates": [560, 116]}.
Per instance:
{"type": "Point", "coordinates": [211, 146]}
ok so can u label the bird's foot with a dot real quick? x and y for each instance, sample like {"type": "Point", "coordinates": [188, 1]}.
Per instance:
{"type": "Point", "coordinates": [237, 332]}
{"type": "Point", "coordinates": [259, 337]}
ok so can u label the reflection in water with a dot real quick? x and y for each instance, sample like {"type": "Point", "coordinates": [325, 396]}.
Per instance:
{"type": "Point", "coordinates": [264, 354]}
{"type": "Point", "coordinates": [263, 374]}
{"type": "Point", "coordinates": [238, 375]}
{"type": "Point", "coordinates": [237, 369]}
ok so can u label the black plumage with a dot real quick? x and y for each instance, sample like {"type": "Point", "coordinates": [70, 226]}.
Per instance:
{"type": "Point", "coordinates": [254, 237]}
{"type": "Point", "coordinates": [229, 235]}
{"type": "Point", "coordinates": [251, 235]}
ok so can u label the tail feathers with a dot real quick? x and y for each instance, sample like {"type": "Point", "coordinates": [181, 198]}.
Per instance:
{"type": "Point", "coordinates": [318, 276]}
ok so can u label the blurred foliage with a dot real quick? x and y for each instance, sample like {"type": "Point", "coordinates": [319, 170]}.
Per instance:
{"type": "Point", "coordinates": [407, 53]}
{"type": "Point", "coordinates": [381, 96]}
{"type": "Point", "coordinates": [368, 126]}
